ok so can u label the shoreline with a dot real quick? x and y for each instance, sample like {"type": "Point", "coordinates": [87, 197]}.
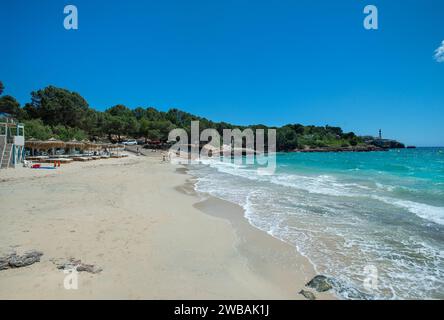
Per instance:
{"type": "Point", "coordinates": [137, 219]}
{"type": "Point", "coordinates": [267, 255]}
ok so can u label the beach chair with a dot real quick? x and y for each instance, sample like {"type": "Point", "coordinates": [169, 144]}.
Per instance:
{"type": "Point", "coordinates": [27, 163]}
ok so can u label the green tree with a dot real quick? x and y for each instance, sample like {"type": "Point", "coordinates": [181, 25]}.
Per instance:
{"type": "Point", "coordinates": [155, 130]}
{"type": "Point", "coordinates": [286, 138]}
{"type": "Point", "coordinates": [152, 114]}
{"type": "Point", "coordinates": [123, 121]}
{"type": "Point", "coordinates": [354, 141]}
{"type": "Point", "coordinates": [2, 87]}
{"type": "Point", "coordinates": [36, 129]}
{"type": "Point", "coordinates": [120, 111]}
{"type": "Point", "coordinates": [8, 104]}
{"type": "Point", "coordinates": [139, 113]}
{"type": "Point", "coordinates": [67, 133]}
{"type": "Point", "coordinates": [58, 106]}
{"type": "Point", "coordinates": [115, 125]}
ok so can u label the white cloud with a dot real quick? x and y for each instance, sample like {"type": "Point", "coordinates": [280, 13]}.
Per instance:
{"type": "Point", "coordinates": [439, 53]}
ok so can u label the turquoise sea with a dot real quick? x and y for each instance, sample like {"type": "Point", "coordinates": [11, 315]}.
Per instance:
{"type": "Point", "coordinates": [350, 214]}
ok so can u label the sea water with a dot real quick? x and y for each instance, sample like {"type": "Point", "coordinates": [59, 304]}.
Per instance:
{"type": "Point", "coordinates": [349, 214]}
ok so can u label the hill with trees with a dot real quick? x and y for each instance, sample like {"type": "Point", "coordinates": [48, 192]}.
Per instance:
{"type": "Point", "coordinates": [66, 115]}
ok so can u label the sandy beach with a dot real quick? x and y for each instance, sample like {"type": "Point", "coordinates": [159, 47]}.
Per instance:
{"type": "Point", "coordinates": [140, 220]}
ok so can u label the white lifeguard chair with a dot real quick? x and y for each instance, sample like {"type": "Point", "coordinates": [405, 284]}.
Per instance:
{"type": "Point", "coordinates": [12, 142]}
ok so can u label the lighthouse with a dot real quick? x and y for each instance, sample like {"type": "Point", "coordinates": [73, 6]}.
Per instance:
{"type": "Point", "coordinates": [380, 134]}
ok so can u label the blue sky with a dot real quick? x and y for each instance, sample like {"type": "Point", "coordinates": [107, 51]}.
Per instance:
{"type": "Point", "coordinates": [245, 62]}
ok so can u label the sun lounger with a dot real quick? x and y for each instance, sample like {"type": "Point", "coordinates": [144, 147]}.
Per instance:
{"type": "Point", "coordinates": [56, 160]}
{"type": "Point", "coordinates": [36, 158]}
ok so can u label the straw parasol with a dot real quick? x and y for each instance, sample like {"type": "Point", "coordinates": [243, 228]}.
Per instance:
{"type": "Point", "coordinates": [115, 146]}
{"type": "Point", "coordinates": [87, 144]}
{"type": "Point", "coordinates": [75, 144]}
{"type": "Point", "coordinates": [102, 145]}
{"type": "Point", "coordinates": [33, 143]}
{"type": "Point", "coordinates": [54, 143]}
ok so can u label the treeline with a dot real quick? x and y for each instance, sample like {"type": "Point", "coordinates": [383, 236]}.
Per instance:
{"type": "Point", "coordinates": [60, 113]}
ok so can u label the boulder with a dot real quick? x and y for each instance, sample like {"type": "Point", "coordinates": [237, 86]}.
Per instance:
{"type": "Point", "coordinates": [17, 261]}
{"type": "Point", "coordinates": [26, 259]}
{"type": "Point", "coordinates": [4, 263]}
{"type": "Point", "coordinates": [78, 265]}
{"type": "Point", "coordinates": [320, 283]}
{"type": "Point", "coordinates": [88, 268]}
{"type": "Point", "coordinates": [308, 295]}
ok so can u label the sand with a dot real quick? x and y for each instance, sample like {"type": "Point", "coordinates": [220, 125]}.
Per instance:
{"type": "Point", "coordinates": [138, 219]}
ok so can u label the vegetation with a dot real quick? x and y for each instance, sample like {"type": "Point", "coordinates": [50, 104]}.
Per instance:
{"type": "Point", "coordinates": [63, 114]}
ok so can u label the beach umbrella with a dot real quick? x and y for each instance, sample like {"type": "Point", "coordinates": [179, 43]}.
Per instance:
{"type": "Point", "coordinates": [95, 146]}
{"type": "Point", "coordinates": [33, 144]}
{"type": "Point", "coordinates": [74, 144]}
{"type": "Point", "coordinates": [102, 145]}
{"type": "Point", "coordinates": [116, 147]}
{"type": "Point", "coordinates": [87, 144]}
{"type": "Point", "coordinates": [54, 143]}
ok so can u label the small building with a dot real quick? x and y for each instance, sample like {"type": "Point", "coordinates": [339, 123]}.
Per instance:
{"type": "Point", "coordinates": [12, 142]}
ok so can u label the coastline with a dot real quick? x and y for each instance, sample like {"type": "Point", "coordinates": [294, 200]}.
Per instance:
{"type": "Point", "coordinates": [137, 219]}
{"type": "Point", "coordinates": [266, 255]}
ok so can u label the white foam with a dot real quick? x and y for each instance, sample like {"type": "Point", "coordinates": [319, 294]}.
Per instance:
{"type": "Point", "coordinates": [322, 184]}
{"type": "Point", "coordinates": [270, 209]}
{"type": "Point", "coordinates": [424, 211]}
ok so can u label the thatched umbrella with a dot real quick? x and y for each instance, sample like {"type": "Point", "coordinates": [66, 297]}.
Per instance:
{"type": "Point", "coordinates": [53, 144]}
{"type": "Point", "coordinates": [33, 144]}
{"type": "Point", "coordinates": [73, 144]}
{"type": "Point", "coordinates": [95, 146]}
{"type": "Point", "coordinates": [115, 146]}
{"type": "Point", "coordinates": [102, 145]}
{"type": "Point", "coordinates": [87, 144]}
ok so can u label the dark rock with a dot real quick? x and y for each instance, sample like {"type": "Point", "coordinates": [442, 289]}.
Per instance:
{"type": "Point", "coordinates": [88, 268]}
{"type": "Point", "coordinates": [17, 261]}
{"type": "Point", "coordinates": [77, 265]}
{"type": "Point", "coordinates": [27, 259]}
{"type": "Point", "coordinates": [308, 295]}
{"type": "Point", "coordinates": [359, 148]}
{"type": "Point", "coordinates": [383, 143]}
{"type": "Point", "coordinates": [320, 283]}
{"type": "Point", "coordinates": [4, 263]}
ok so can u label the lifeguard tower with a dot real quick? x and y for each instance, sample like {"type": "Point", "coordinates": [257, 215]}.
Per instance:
{"type": "Point", "coordinates": [12, 142]}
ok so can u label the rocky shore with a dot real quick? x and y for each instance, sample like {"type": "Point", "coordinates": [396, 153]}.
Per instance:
{"type": "Point", "coordinates": [366, 148]}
